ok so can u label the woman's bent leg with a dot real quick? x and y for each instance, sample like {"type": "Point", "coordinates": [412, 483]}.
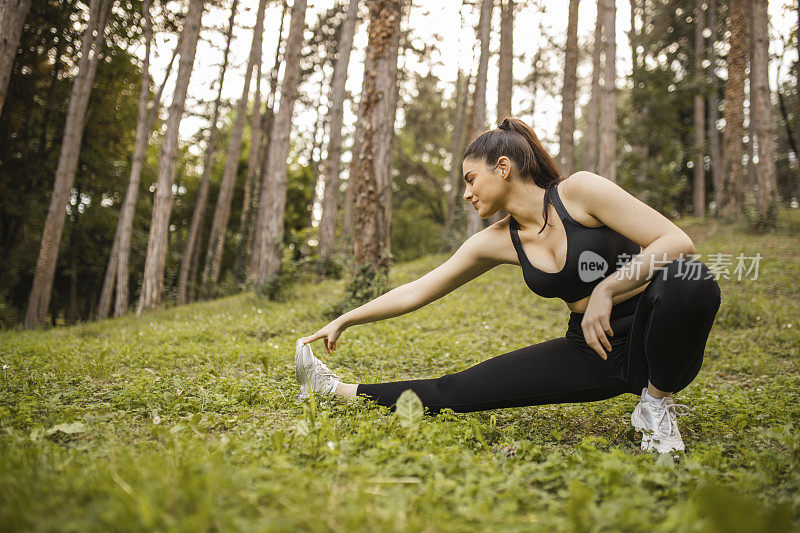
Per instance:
{"type": "Point", "coordinates": [553, 371]}
{"type": "Point", "coordinates": [672, 324]}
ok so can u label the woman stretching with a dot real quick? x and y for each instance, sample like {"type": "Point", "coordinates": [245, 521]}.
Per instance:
{"type": "Point", "coordinates": [641, 311]}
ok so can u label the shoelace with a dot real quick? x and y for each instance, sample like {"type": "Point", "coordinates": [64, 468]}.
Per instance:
{"type": "Point", "coordinates": [670, 411]}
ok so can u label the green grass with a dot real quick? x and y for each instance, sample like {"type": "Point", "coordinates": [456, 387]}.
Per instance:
{"type": "Point", "coordinates": [188, 419]}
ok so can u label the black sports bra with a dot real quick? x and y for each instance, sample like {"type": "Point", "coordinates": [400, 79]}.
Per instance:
{"type": "Point", "coordinates": [592, 255]}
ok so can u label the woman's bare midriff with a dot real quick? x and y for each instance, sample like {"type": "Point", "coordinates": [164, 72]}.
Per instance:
{"type": "Point", "coordinates": [580, 305]}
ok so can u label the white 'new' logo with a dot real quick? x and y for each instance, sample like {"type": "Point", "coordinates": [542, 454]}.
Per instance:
{"type": "Point", "coordinates": [591, 266]}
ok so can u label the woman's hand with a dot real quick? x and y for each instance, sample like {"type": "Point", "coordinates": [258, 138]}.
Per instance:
{"type": "Point", "coordinates": [596, 321]}
{"type": "Point", "coordinates": [329, 333]}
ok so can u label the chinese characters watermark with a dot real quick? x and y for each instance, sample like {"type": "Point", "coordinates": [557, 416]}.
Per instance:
{"type": "Point", "coordinates": [717, 265]}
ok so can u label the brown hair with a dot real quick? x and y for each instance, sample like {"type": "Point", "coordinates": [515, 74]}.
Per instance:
{"type": "Point", "coordinates": [517, 141]}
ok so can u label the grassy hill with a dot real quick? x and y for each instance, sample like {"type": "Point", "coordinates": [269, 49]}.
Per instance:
{"type": "Point", "coordinates": [188, 419]}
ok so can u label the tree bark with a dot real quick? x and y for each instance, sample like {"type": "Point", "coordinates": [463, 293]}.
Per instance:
{"type": "Point", "coordinates": [348, 212]}
{"type": "Point", "coordinates": [505, 82]}
{"type": "Point", "coordinates": [91, 45]}
{"type": "Point", "coordinates": [761, 116]}
{"type": "Point", "coordinates": [198, 215]}
{"type": "Point", "coordinates": [456, 149]}
{"type": "Point", "coordinates": [125, 224]}
{"type": "Point", "coordinates": [377, 113]}
{"type": "Point", "coordinates": [153, 280]}
{"type": "Point", "coordinates": [254, 230]}
{"type": "Point", "coordinates": [474, 221]}
{"type": "Point", "coordinates": [715, 151]}
{"type": "Point", "coordinates": [699, 185]}
{"type": "Point", "coordinates": [12, 19]}
{"type": "Point", "coordinates": [272, 201]}
{"type": "Point", "coordinates": [254, 154]}
{"type": "Point", "coordinates": [732, 196]}
{"type": "Point", "coordinates": [607, 166]}
{"type": "Point", "coordinates": [216, 239]}
{"type": "Point", "coordinates": [330, 200]}
{"type": "Point", "coordinates": [506, 60]}
{"type": "Point", "coordinates": [566, 131]}
{"type": "Point", "coordinates": [592, 137]}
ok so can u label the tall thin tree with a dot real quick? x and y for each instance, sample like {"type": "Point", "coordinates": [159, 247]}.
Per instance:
{"type": "Point", "coordinates": [566, 130]}
{"type": "Point", "coordinates": [91, 45]}
{"type": "Point", "coordinates": [193, 236]}
{"type": "Point", "coordinates": [12, 19]}
{"type": "Point", "coordinates": [153, 280]}
{"type": "Point", "coordinates": [254, 236]}
{"type": "Point", "coordinates": [761, 117]}
{"type": "Point", "coordinates": [216, 239]}
{"type": "Point", "coordinates": [144, 95]}
{"type": "Point", "coordinates": [377, 112]}
{"type": "Point", "coordinates": [591, 143]}
{"type": "Point", "coordinates": [699, 184]}
{"type": "Point", "coordinates": [733, 193]}
{"type": "Point", "coordinates": [272, 201]}
{"type": "Point", "coordinates": [607, 165]}
{"type": "Point", "coordinates": [474, 222]}
{"type": "Point", "coordinates": [330, 199]}
{"type": "Point", "coordinates": [715, 150]}
{"type": "Point", "coordinates": [125, 224]}
{"type": "Point", "coordinates": [505, 82]}
{"type": "Point", "coordinates": [456, 149]}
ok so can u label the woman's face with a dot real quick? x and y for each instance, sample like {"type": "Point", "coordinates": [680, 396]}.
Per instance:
{"type": "Point", "coordinates": [485, 186]}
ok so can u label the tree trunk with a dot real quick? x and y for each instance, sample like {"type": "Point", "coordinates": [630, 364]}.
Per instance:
{"type": "Point", "coordinates": [216, 239]}
{"type": "Point", "coordinates": [12, 19]}
{"type": "Point", "coordinates": [348, 212]}
{"type": "Point", "coordinates": [125, 224]}
{"type": "Point", "coordinates": [315, 153]}
{"type": "Point", "coordinates": [104, 303]}
{"type": "Point", "coordinates": [254, 230]}
{"type": "Point", "coordinates": [506, 60]}
{"type": "Point", "coordinates": [456, 149]}
{"type": "Point", "coordinates": [67, 163]}
{"type": "Point", "coordinates": [377, 113]}
{"type": "Point", "coordinates": [713, 111]}
{"type": "Point", "coordinates": [761, 116]}
{"type": "Point", "coordinates": [272, 201]}
{"type": "Point", "coordinates": [566, 131]}
{"type": "Point", "coordinates": [607, 166]}
{"type": "Point", "coordinates": [699, 185]}
{"type": "Point", "coordinates": [505, 82]}
{"type": "Point", "coordinates": [592, 137]}
{"type": "Point", "coordinates": [639, 148]}
{"type": "Point", "coordinates": [474, 221]}
{"type": "Point", "coordinates": [330, 200]}
{"type": "Point", "coordinates": [153, 280]}
{"type": "Point", "coordinates": [797, 92]}
{"type": "Point", "coordinates": [734, 108]}
{"type": "Point", "coordinates": [254, 154]}
{"type": "Point", "coordinates": [198, 215]}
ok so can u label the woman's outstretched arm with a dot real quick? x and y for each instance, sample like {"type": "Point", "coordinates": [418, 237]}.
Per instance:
{"type": "Point", "coordinates": [476, 256]}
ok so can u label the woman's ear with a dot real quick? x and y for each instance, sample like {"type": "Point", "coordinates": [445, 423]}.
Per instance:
{"type": "Point", "coordinates": [504, 165]}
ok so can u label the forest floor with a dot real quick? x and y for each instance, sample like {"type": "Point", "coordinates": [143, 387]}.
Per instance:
{"type": "Point", "coordinates": [188, 419]}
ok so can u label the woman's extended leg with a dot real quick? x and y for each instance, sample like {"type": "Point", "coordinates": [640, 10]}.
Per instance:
{"type": "Point", "coordinates": [555, 371]}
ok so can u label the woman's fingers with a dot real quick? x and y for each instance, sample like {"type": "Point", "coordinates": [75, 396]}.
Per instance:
{"type": "Point", "coordinates": [594, 340]}
{"type": "Point", "coordinates": [601, 335]}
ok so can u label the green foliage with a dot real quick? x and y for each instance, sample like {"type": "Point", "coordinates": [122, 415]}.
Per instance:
{"type": "Point", "coordinates": [188, 418]}
{"type": "Point", "coordinates": [366, 283]}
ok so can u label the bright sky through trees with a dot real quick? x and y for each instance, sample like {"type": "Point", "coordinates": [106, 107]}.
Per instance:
{"type": "Point", "coordinates": [426, 20]}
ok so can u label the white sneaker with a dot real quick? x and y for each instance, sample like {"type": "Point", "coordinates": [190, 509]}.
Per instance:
{"type": "Point", "coordinates": [311, 373]}
{"type": "Point", "coordinates": [657, 421]}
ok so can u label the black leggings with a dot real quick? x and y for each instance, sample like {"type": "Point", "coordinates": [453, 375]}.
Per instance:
{"type": "Point", "coordinates": [660, 334]}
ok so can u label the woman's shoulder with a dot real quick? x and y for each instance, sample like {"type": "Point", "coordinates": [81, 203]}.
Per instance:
{"type": "Point", "coordinates": [575, 191]}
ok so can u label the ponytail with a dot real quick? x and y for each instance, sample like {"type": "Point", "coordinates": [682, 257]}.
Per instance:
{"type": "Point", "coordinates": [517, 141]}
